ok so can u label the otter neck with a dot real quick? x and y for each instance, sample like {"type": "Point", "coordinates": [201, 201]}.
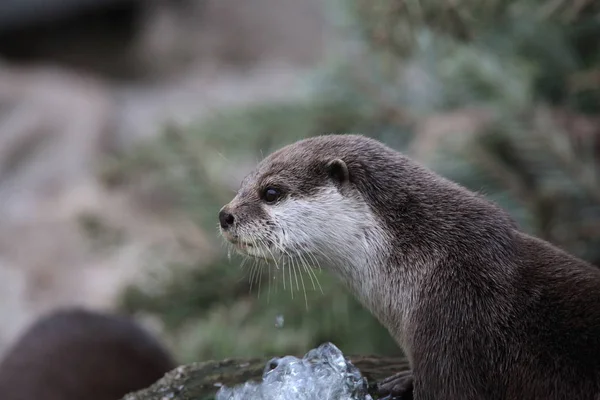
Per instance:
{"type": "Point", "coordinates": [372, 273]}
{"type": "Point", "coordinates": [388, 262]}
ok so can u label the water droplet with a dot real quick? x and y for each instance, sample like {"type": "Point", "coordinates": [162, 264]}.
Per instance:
{"type": "Point", "coordinates": [229, 255]}
{"type": "Point", "coordinates": [279, 320]}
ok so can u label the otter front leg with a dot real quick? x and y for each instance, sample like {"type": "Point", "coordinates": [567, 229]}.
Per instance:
{"type": "Point", "coordinates": [398, 386]}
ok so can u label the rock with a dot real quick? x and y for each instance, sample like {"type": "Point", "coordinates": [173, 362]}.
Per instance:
{"type": "Point", "coordinates": [201, 381]}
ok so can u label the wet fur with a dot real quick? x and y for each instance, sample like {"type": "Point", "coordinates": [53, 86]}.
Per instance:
{"type": "Point", "coordinates": [482, 310]}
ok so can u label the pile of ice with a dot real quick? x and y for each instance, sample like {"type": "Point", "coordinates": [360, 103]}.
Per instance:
{"type": "Point", "coordinates": [322, 374]}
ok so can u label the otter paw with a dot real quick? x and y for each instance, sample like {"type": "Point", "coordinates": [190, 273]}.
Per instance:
{"type": "Point", "coordinates": [398, 386]}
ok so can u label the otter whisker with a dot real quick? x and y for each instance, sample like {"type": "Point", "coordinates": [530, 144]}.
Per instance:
{"type": "Point", "coordinates": [325, 256]}
{"type": "Point", "coordinates": [303, 287]}
{"type": "Point", "coordinates": [259, 279]}
{"type": "Point", "coordinates": [283, 278]}
{"type": "Point", "coordinates": [283, 273]}
{"type": "Point", "coordinates": [259, 269]}
{"type": "Point", "coordinates": [252, 273]}
{"type": "Point", "coordinates": [293, 259]}
{"type": "Point", "coordinates": [315, 259]}
{"type": "Point", "coordinates": [289, 260]}
{"type": "Point", "coordinates": [256, 275]}
{"type": "Point", "coordinates": [296, 275]}
{"type": "Point", "coordinates": [292, 271]}
{"type": "Point", "coordinates": [263, 246]}
{"type": "Point", "coordinates": [259, 245]}
{"type": "Point", "coordinates": [290, 266]}
{"type": "Point", "coordinates": [283, 264]}
{"type": "Point", "coordinates": [221, 155]}
{"type": "Point", "coordinates": [272, 256]}
{"type": "Point", "coordinates": [305, 238]}
{"type": "Point", "coordinates": [269, 266]}
{"type": "Point", "coordinates": [307, 268]}
{"type": "Point", "coordinates": [311, 271]}
{"type": "Point", "coordinates": [250, 277]}
{"type": "Point", "coordinates": [279, 246]}
{"type": "Point", "coordinates": [290, 277]}
{"type": "Point", "coordinates": [269, 290]}
{"type": "Point", "coordinates": [302, 255]}
{"type": "Point", "coordinates": [245, 275]}
{"type": "Point", "coordinates": [301, 263]}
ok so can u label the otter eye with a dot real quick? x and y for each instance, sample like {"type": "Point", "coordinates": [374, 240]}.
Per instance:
{"type": "Point", "coordinates": [271, 195]}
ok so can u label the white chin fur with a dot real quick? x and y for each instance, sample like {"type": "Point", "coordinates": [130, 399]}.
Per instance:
{"type": "Point", "coordinates": [344, 233]}
{"type": "Point", "coordinates": [329, 224]}
{"type": "Point", "coordinates": [255, 252]}
{"type": "Point", "coordinates": [252, 248]}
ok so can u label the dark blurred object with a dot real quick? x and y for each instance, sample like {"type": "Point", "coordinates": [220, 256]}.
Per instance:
{"type": "Point", "coordinates": [91, 34]}
{"type": "Point", "coordinates": [150, 39]}
{"type": "Point", "coordinates": [76, 354]}
{"type": "Point", "coordinates": [25, 13]}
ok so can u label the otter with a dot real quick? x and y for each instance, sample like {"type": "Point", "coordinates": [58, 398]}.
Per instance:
{"type": "Point", "coordinates": [75, 354]}
{"type": "Point", "coordinates": [481, 309]}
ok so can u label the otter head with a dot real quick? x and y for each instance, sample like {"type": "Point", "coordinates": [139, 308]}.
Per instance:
{"type": "Point", "coordinates": [303, 202]}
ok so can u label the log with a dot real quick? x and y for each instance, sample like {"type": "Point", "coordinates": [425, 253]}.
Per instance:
{"type": "Point", "coordinates": [201, 381]}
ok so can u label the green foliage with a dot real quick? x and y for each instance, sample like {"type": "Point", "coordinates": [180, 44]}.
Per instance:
{"type": "Point", "coordinates": [522, 73]}
{"type": "Point", "coordinates": [212, 312]}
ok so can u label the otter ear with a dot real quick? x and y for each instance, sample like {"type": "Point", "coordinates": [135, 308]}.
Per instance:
{"type": "Point", "coordinates": [338, 171]}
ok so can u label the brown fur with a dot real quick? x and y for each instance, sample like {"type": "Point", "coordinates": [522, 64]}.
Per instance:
{"type": "Point", "coordinates": [482, 310]}
{"type": "Point", "coordinates": [81, 355]}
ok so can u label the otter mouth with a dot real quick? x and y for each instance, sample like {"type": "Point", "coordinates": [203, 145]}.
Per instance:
{"type": "Point", "coordinates": [242, 245]}
{"type": "Point", "coordinates": [234, 240]}
{"type": "Point", "coordinates": [249, 249]}
{"type": "Point", "coordinates": [246, 248]}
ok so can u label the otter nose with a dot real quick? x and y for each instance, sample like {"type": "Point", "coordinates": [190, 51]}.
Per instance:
{"type": "Point", "coordinates": [225, 219]}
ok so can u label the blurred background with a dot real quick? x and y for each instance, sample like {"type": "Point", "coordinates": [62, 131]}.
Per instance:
{"type": "Point", "coordinates": [126, 124]}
